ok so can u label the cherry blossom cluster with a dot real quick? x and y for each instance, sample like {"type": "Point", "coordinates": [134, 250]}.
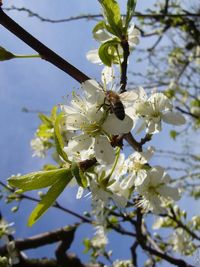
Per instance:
{"type": "Point", "coordinates": [90, 126]}
{"type": "Point", "coordinates": [93, 128]}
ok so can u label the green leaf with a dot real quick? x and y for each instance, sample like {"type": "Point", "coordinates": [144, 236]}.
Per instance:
{"type": "Point", "coordinates": [99, 26]}
{"type": "Point", "coordinates": [38, 180]}
{"type": "Point", "coordinates": [107, 52]}
{"type": "Point", "coordinates": [5, 55]}
{"type": "Point", "coordinates": [87, 244]}
{"type": "Point", "coordinates": [130, 11]}
{"type": "Point", "coordinates": [58, 137]}
{"type": "Point", "coordinates": [45, 120]}
{"type": "Point", "coordinates": [49, 167]}
{"type": "Point", "coordinates": [173, 134]}
{"type": "Point", "coordinates": [79, 175]}
{"type": "Point", "coordinates": [49, 198]}
{"type": "Point", "coordinates": [113, 16]}
{"type": "Point", "coordinates": [195, 103]}
{"type": "Point", "coordinates": [54, 113]}
{"type": "Point", "coordinates": [44, 131]}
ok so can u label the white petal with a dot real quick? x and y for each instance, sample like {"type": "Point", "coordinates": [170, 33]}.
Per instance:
{"type": "Point", "coordinates": [113, 125]}
{"type": "Point", "coordinates": [160, 102]}
{"type": "Point", "coordinates": [91, 86]}
{"type": "Point", "coordinates": [142, 94]}
{"type": "Point", "coordinates": [133, 41]}
{"type": "Point", "coordinates": [148, 153]}
{"type": "Point", "coordinates": [128, 97]}
{"type": "Point", "coordinates": [67, 109]}
{"type": "Point", "coordinates": [154, 126]}
{"type": "Point", "coordinates": [107, 75]}
{"type": "Point", "coordinates": [143, 108]}
{"type": "Point", "coordinates": [94, 92]}
{"type": "Point", "coordinates": [130, 111]}
{"type": "Point", "coordinates": [120, 201]}
{"type": "Point", "coordinates": [156, 174]}
{"type": "Point", "coordinates": [132, 31]}
{"type": "Point", "coordinates": [79, 192]}
{"type": "Point", "coordinates": [128, 182]}
{"type": "Point", "coordinates": [155, 203]}
{"type": "Point", "coordinates": [79, 143]}
{"type": "Point", "coordinates": [101, 35]}
{"type": "Point", "coordinates": [93, 56]}
{"type": "Point", "coordinates": [140, 178]}
{"type": "Point", "coordinates": [174, 118]}
{"type": "Point", "coordinates": [167, 191]}
{"type": "Point", "coordinates": [104, 152]}
{"type": "Point", "coordinates": [74, 121]}
{"type": "Point", "coordinates": [78, 103]}
{"type": "Point", "coordinates": [141, 127]}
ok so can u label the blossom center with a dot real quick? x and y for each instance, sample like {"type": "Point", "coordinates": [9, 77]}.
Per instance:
{"type": "Point", "coordinates": [92, 129]}
{"type": "Point", "coordinates": [137, 166]}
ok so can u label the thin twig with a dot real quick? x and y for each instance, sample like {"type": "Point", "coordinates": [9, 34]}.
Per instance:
{"type": "Point", "coordinates": [56, 205]}
{"type": "Point", "coordinates": [95, 16]}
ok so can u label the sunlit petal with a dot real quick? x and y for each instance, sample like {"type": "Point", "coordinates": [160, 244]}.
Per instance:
{"type": "Point", "coordinates": [113, 125]}
{"type": "Point", "coordinates": [93, 56]}
{"type": "Point", "coordinates": [104, 152]}
{"type": "Point", "coordinates": [174, 118]}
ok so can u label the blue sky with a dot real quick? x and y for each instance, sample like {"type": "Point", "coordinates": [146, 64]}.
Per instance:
{"type": "Point", "coordinates": [38, 85]}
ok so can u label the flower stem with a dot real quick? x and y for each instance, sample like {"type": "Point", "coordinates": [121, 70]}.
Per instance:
{"type": "Point", "coordinates": [115, 163]}
{"type": "Point", "coordinates": [27, 56]}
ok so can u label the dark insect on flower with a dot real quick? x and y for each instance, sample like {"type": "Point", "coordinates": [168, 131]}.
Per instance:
{"type": "Point", "coordinates": [116, 105]}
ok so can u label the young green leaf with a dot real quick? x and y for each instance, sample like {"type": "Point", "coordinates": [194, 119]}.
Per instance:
{"type": "Point", "coordinates": [48, 199]}
{"type": "Point", "coordinates": [44, 131]}
{"type": "Point", "coordinates": [38, 180]}
{"type": "Point", "coordinates": [130, 11]}
{"type": "Point", "coordinates": [113, 16]}
{"type": "Point", "coordinates": [173, 134]}
{"type": "Point", "coordinates": [54, 113]}
{"type": "Point", "coordinates": [99, 26]}
{"type": "Point", "coordinates": [5, 55]}
{"type": "Point", "coordinates": [79, 175]}
{"type": "Point", "coordinates": [45, 120]}
{"type": "Point", "coordinates": [108, 52]}
{"type": "Point", "coordinates": [58, 138]}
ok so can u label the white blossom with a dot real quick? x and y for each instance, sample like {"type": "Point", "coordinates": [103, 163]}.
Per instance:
{"type": "Point", "coordinates": [114, 189]}
{"type": "Point", "coordinates": [6, 228]}
{"type": "Point", "coordinates": [100, 239]}
{"type": "Point", "coordinates": [133, 36]}
{"type": "Point", "coordinates": [93, 57]}
{"type": "Point", "coordinates": [155, 189]}
{"type": "Point", "coordinates": [154, 110]}
{"type": "Point", "coordinates": [159, 222]}
{"type": "Point", "coordinates": [38, 147]}
{"type": "Point", "coordinates": [137, 165]}
{"type": "Point", "coordinates": [107, 75]}
{"type": "Point", "coordinates": [181, 242]}
{"type": "Point", "coordinates": [122, 263]}
{"type": "Point", "coordinates": [102, 36]}
{"type": "Point", "coordinates": [93, 124]}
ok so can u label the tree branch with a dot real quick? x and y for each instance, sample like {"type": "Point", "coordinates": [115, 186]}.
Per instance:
{"type": "Point", "coordinates": [124, 65]}
{"type": "Point", "coordinates": [65, 233]}
{"type": "Point", "coordinates": [43, 50]}
{"type": "Point", "coordinates": [142, 240]}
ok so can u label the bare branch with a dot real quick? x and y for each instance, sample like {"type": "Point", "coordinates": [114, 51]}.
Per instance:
{"type": "Point", "coordinates": [43, 50]}
{"type": "Point", "coordinates": [142, 240]}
